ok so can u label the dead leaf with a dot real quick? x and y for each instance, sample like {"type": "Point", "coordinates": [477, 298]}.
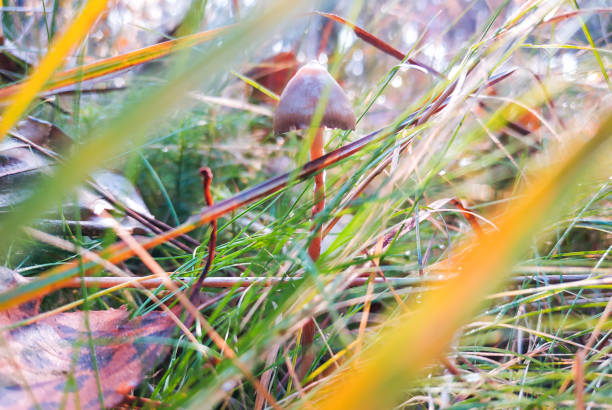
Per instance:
{"type": "Point", "coordinates": [13, 64]}
{"type": "Point", "coordinates": [273, 73]}
{"type": "Point", "coordinates": [43, 133]}
{"type": "Point", "coordinates": [21, 166]}
{"type": "Point", "coordinates": [37, 361]}
{"type": "Point", "coordinates": [122, 189]}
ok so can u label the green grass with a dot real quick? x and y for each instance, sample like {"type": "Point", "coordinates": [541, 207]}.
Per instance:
{"type": "Point", "coordinates": [518, 351]}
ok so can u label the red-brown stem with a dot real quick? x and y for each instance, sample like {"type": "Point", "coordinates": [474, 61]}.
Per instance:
{"type": "Point", "coordinates": [314, 251]}
{"type": "Point", "coordinates": [206, 174]}
{"type": "Point", "coordinates": [316, 151]}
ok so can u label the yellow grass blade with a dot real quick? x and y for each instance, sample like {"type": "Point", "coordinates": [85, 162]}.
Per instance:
{"type": "Point", "coordinates": [118, 63]}
{"type": "Point", "coordinates": [58, 51]}
{"type": "Point", "coordinates": [414, 339]}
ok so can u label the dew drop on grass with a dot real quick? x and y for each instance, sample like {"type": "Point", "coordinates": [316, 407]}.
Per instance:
{"type": "Point", "coordinates": [464, 162]}
{"type": "Point", "coordinates": [277, 47]}
{"type": "Point", "coordinates": [358, 55]}
{"type": "Point", "coordinates": [410, 34]}
{"type": "Point", "coordinates": [569, 64]}
{"type": "Point", "coordinates": [357, 68]}
{"type": "Point", "coordinates": [346, 38]}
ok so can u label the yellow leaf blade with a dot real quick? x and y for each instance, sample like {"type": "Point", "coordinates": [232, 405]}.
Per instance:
{"type": "Point", "coordinates": [58, 51]}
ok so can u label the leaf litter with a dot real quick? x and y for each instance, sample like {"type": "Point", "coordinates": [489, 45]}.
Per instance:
{"type": "Point", "coordinates": [29, 154]}
{"type": "Point", "coordinates": [48, 364]}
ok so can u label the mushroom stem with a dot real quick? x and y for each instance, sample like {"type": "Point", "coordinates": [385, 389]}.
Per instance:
{"type": "Point", "coordinates": [316, 151]}
{"type": "Point", "coordinates": [314, 251]}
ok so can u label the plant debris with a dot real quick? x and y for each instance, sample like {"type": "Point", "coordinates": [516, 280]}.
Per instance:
{"type": "Point", "coordinates": [49, 363]}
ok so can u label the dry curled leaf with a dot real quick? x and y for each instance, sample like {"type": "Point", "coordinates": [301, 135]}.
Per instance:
{"type": "Point", "coordinates": [20, 166]}
{"type": "Point", "coordinates": [43, 363]}
{"type": "Point", "coordinates": [273, 73]}
{"type": "Point", "coordinates": [43, 133]}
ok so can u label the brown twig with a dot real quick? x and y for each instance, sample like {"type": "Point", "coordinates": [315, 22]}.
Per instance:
{"type": "Point", "coordinates": [156, 226]}
{"type": "Point", "coordinates": [325, 37]}
{"type": "Point", "coordinates": [153, 281]}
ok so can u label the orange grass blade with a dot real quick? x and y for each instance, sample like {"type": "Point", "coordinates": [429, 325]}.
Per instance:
{"type": "Point", "coordinates": [378, 43]}
{"type": "Point", "coordinates": [565, 16]}
{"type": "Point", "coordinates": [411, 341]}
{"type": "Point", "coordinates": [118, 63]}
{"type": "Point", "coordinates": [58, 51]}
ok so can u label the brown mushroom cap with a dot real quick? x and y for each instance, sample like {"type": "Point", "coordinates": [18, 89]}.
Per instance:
{"type": "Point", "coordinates": [299, 99]}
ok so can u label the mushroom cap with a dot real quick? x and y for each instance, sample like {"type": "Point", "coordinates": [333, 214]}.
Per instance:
{"type": "Point", "coordinates": [299, 99]}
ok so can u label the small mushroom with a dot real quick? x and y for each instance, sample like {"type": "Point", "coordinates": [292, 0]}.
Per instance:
{"type": "Point", "coordinates": [295, 110]}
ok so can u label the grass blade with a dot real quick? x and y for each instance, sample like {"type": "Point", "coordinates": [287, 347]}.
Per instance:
{"type": "Point", "coordinates": [58, 51]}
{"type": "Point", "coordinates": [118, 63]}
{"type": "Point", "coordinates": [414, 340]}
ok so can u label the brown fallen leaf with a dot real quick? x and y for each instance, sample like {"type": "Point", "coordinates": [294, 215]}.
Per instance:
{"type": "Point", "coordinates": [273, 73]}
{"type": "Point", "coordinates": [37, 361]}
{"type": "Point", "coordinates": [43, 133]}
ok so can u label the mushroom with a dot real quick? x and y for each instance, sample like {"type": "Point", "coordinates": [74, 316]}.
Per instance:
{"type": "Point", "coordinates": [310, 86]}
{"type": "Point", "coordinates": [295, 110]}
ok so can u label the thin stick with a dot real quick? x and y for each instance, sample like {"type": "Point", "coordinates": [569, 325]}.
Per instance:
{"type": "Point", "coordinates": [153, 281]}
